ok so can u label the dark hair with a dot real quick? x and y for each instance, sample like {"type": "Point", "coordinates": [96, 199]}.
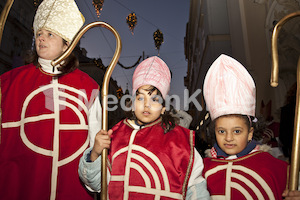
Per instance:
{"type": "Point", "coordinates": [258, 126]}
{"type": "Point", "coordinates": [168, 122]}
{"type": "Point", "coordinates": [70, 63]}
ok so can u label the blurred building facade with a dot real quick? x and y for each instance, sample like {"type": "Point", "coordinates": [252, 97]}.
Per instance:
{"type": "Point", "coordinates": [17, 34]}
{"type": "Point", "coordinates": [242, 29]}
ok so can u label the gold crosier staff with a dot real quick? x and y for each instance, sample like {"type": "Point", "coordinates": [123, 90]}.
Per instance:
{"type": "Point", "coordinates": [3, 18]}
{"type": "Point", "coordinates": [4, 15]}
{"type": "Point", "coordinates": [104, 91]}
{"type": "Point", "coordinates": [295, 158]}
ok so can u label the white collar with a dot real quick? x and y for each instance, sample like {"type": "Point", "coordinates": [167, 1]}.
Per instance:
{"type": "Point", "coordinates": [133, 124]}
{"type": "Point", "coordinates": [235, 157]}
{"type": "Point", "coordinates": [47, 67]}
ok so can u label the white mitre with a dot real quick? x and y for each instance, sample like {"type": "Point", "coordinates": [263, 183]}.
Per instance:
{"type": "Point", "coordinates": [61, 17]}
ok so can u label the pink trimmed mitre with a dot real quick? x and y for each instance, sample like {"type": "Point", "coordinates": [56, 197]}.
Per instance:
{"type": "Point", "coordinates": [152, 71]}
{"type": "Point", "coordinates": [229, 88]}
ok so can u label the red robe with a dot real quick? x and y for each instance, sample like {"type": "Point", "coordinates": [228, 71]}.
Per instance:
{"type": "Point", "coordinates": [257, 175]}
{"type": "Point", "coordinates": [44, 131]}
{"type": "Point", "coordinates": [149, 164]}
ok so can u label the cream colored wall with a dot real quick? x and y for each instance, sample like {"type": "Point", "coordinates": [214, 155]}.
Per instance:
{"type": "Point", "coordinates": [259, 59]}
{"type": "Point", "coordinates": [258, 20]}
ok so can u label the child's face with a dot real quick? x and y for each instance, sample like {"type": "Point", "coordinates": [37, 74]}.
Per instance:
{"type": "Point", "coordinates": [49, 45]}
{"type": "Point", "coordinates": [147, 107]}
{"type": "Point", "coordinates": [232, 134]}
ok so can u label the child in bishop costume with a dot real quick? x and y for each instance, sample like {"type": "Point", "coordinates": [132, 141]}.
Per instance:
{"type": "Point", "coordinates": [48, 113]}
{"type": "Point", "coordinates": [150, 156]}
{"type": "Point", "coordinates": [237, 166]}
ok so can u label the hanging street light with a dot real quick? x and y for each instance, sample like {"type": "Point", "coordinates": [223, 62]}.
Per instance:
{"type": "Point", "coordinates": [98, 4]}
{"type": "Point", "coordinates": [158, 39]}
{"type": "Point", "coordinates": [131, 20]}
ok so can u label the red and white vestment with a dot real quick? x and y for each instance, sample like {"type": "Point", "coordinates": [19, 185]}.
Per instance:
{"type": "Point", "coordinates": [148, 163]}
{"type": "Point", "coordinates": [44, 133]}
{"type": "Point", "coordinates": [257, 175]}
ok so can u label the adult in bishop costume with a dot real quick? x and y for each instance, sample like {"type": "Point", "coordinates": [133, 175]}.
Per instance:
{"type": "Point", "coordinates": [50, 115]}
{"type": "Point", "coordinates": [238, 167]}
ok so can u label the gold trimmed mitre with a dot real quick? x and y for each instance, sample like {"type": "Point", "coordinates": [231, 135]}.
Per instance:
{"type": "Point", "coordinates": [61, 17]}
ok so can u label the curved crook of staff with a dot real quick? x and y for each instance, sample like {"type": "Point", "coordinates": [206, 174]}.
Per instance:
{"type": "Point", "coordinates": [104, 91]}
{"type": "Point", "coordinates": [3, 18]}
{"type": "Point", "coordinates": [295, 158]}
{"type": "Point", "coordinates": [4, 15]}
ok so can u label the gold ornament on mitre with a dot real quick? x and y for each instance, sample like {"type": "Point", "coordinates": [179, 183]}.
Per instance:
{"type": "Point", "coordinates": [61, 17]}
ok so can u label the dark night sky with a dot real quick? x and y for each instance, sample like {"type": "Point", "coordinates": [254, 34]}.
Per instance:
{"type": "Point", "coordinates": [170, 16]}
